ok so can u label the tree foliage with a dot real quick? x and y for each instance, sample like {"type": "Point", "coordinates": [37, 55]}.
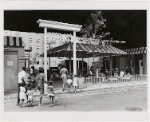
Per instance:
{"type": "Point", "coordinates": [94, 26]}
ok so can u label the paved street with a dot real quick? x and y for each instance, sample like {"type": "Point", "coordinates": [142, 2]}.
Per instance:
{"type": "Point", "coordinates": [101, 97]}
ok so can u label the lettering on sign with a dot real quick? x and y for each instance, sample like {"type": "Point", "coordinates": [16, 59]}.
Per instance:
{"type": "Point", "coordinates": [9, 63]}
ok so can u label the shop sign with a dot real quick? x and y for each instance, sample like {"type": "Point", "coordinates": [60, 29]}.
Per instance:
{"type": "Point", "coordinates": [9, 63]}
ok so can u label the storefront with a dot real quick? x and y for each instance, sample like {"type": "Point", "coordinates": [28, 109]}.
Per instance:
{"type": "Point", "coordinates": [135, 60]}
{"type": "Point", "coordinates": [14, 60]}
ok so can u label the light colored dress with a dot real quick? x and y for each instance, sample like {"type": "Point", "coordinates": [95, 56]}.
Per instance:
{"type": "Point", "coordinates": [64, 73]}
{"type": "Point", "coordinates": [50, 91]}
{"type": "Point", "coordinates": [75, 81]}
{"type": "Point", "coordinates": [121, 74]}
{"type": "Point", "coordinates": [69, 82]}
{"type": "Point", "coordinates": [30, 95]}
{"type": "Point", "coordinates": [22, 94]}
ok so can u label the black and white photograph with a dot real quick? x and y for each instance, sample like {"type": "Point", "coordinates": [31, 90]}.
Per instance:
{"type": "Point", "coordinates": [90, 60]}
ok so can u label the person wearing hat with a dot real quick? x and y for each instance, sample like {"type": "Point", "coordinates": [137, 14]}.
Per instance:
{"type": "Point", "coordinates": [63, 73]}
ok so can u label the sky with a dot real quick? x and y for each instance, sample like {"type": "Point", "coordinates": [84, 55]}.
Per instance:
{"type": "Point", "coordinates": [123, 25]}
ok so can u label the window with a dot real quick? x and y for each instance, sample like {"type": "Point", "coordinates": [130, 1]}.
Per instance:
{"type": "Point", "coordinates": [38, 47]}
{"type": "Point", "coordinates": [30, 40]}
{"type": "Point", "coordinates": [38, 41]}
{"type": "Point", "coordinates": [47, 62]}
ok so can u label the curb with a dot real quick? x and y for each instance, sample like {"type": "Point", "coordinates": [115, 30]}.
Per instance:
{"type": "Point", "coordinates": [92, 88]}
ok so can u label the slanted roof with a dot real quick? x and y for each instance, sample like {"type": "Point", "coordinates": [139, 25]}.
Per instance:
{"type": "Point", "coordinates": [83, 50]}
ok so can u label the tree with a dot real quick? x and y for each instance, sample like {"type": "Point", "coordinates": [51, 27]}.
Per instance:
{"type": "Point", "coordinates": [94, 29]}
{"type": "Point", "coordinates": [94, 26]}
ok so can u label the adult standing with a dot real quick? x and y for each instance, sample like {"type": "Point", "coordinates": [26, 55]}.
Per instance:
{"type": "Point", "coordinates": [63, 73]}
{"type": "Point", "coordinates": [127, 69]}
{"type": "Point", "coordinates": [40, 84]}
{"type": "Point", "coordinates": [32, 71]}
{"type": "Point", "coordinates": [21, 80]}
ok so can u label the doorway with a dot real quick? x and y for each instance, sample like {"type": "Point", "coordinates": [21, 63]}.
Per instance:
{"type": "Point", "coordinates": [10, 70]}
{"type": "Point", "coordinates": [140, 67]}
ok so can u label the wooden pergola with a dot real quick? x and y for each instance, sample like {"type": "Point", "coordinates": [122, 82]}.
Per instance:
{"type": "Point", "coordinates": [59, 26]}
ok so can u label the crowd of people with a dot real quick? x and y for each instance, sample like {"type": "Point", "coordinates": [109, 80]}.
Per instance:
{"type": "Point", "coordinates": [31, 81]}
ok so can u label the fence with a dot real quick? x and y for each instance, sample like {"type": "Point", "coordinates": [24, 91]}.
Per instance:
{"type": "Point", "coordinates": [84, 82]}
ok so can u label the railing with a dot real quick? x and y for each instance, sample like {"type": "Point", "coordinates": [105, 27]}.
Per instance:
{"type": "Point", "coordinates": [89, 81]}
{"type": "Point", "coordinates": [139, 77]}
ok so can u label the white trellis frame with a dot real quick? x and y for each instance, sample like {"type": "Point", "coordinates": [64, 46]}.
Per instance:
{"type": "Point", "coordinates": [60, 26]}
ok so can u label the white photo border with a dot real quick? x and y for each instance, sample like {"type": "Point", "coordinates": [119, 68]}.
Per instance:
{"type": "Point", "coordinates": [69, 5]}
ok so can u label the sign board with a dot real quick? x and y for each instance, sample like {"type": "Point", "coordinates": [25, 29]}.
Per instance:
{"type": "Point", "coordinates": [53, 64]}
{"type": "Point", "coordinates": [26, 55]}
{"type": "Point", "coordinates": [9, 63]}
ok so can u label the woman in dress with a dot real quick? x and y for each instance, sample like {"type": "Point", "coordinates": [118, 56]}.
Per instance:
{"type": "Point", "coordinates": [63, 73]}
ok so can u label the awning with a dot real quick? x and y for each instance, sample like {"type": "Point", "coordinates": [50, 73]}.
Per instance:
{"type": "Point", "coordinates": [10, 41]}
{"type": "Point", "coordinates": [66, 50]}
{"type": "Point", "coordinates": [83, 50]}
{"type": "Point", "coordinates": [134, 51]}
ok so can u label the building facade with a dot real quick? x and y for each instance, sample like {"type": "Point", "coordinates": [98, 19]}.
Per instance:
{"type": "Point", "coordinates": [14, 60]}
{"type": "Point", "coordinates": [35, 43]}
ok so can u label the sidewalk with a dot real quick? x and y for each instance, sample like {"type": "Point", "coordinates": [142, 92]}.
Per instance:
{"type": "Point", "coordinates": [106, 86]}
{"type": "Point", "coordinates": [89, 88]}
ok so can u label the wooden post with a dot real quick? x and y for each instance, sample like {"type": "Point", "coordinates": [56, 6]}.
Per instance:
{"type": "Point", "coordinates": [74, 54]}
{"type": "Point", "coordinates": [110, 59]}
{"type": "Point", "coordinates": [70, 65]}
{"type": "Point", "coordinates": [45, 59]}
{"type": "Point", "coordinates": [78, 64]}
{"type": "Point", "coordinates": [93, 68]}
{"type": "Point", "coordinates": [82, 65]}
{"type": "Point", "coordinates": [49, 58]}
{"type": "Point", "coordinates": [29, 61]}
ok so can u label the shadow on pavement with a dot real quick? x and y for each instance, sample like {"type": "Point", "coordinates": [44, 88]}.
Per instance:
{"type": "Point", "coordinates": [9, 92]}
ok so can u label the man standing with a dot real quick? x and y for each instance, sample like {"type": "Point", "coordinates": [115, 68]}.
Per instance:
{"type": "Point", "coordinates": [21, 80]}
{"type": "Point", "coordinates": [40, 84]}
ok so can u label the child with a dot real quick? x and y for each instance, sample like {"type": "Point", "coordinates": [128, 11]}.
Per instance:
{"type": "Point", "coordinates": [22, 94]}
{"type": "Point", "coordinates": [30, 96]}
{"type": "Point", "coordinates": [75, 84]}
{"type": "Point", "coordinates": [69, 83]}
{"type": "Point", "coordinates": [50, 91]}
{"type": "Point", "coordinates": [122, 73]}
